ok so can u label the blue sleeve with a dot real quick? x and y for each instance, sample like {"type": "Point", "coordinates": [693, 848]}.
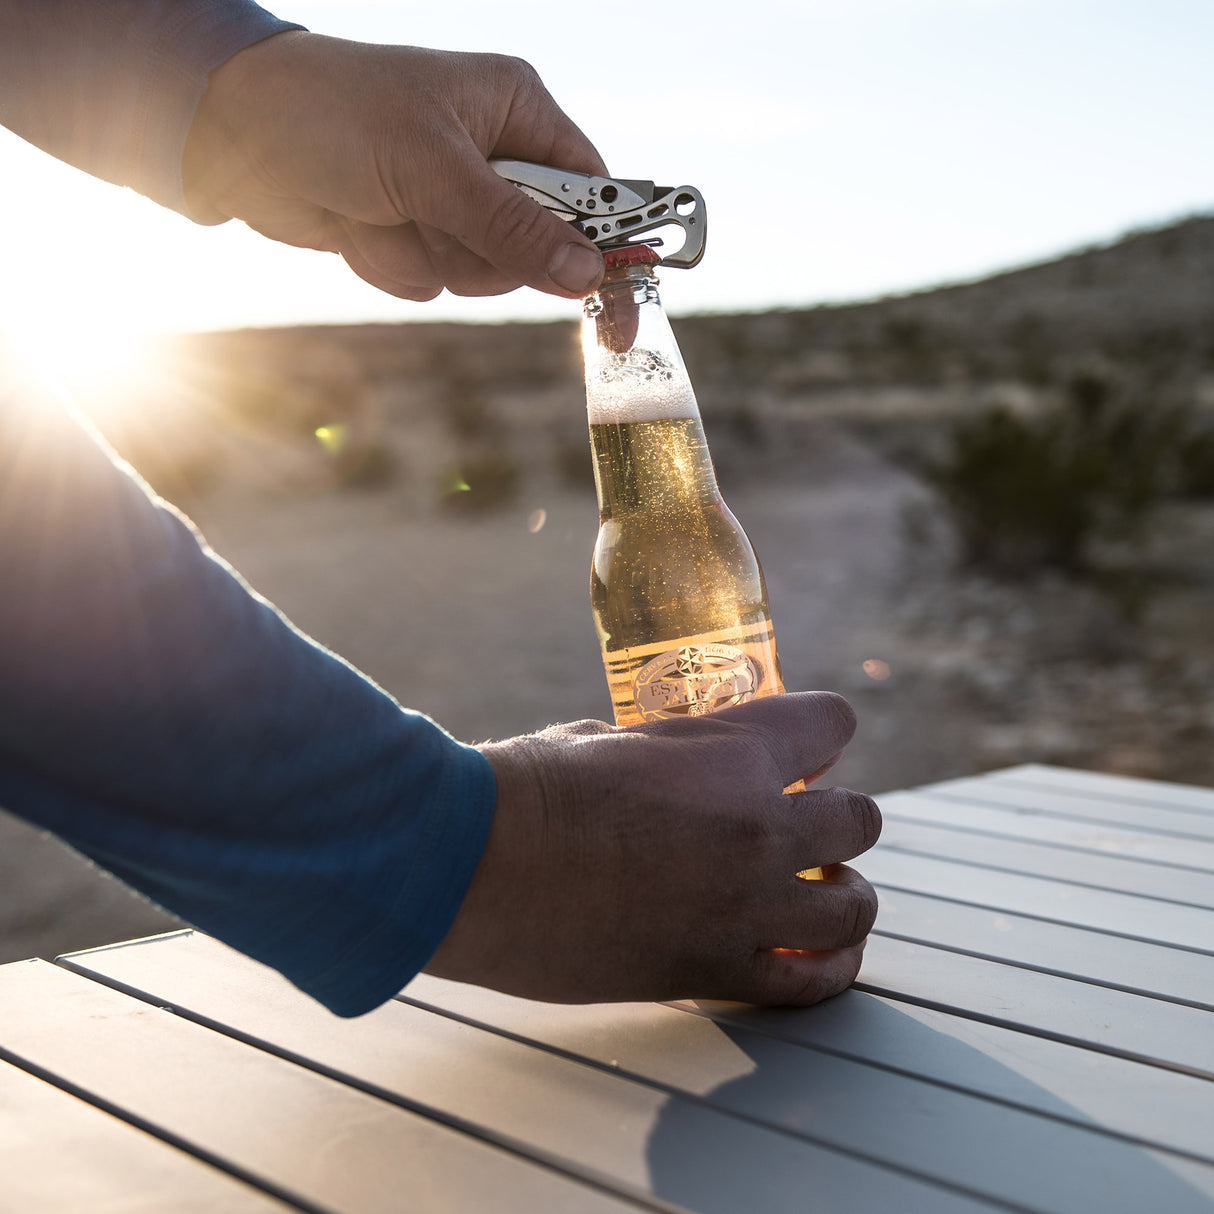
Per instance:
{"type": "Point", "coordinates": [170, 724]}
{"type": "Point", "coordinates": [111, 86]}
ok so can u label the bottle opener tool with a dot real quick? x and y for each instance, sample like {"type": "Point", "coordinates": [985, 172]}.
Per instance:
{"type": "Point", "coordinates": [613, 211]}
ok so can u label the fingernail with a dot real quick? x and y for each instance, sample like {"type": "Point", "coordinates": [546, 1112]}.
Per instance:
{"type": "Point", "coordinates": [575, 268]}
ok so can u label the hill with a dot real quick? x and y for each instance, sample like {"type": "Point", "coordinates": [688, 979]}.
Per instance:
{"type": "Point", "coordinates": [1139, 311]}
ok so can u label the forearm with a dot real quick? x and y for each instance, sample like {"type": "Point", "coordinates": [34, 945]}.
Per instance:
{"type": "Point", "coordinates": [111, 86]}
{"type": "Point", "coordinates": [174, 727]}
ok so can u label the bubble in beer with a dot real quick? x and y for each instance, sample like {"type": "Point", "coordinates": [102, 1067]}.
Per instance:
{"type": "Point", "coordinates": [536, 520]}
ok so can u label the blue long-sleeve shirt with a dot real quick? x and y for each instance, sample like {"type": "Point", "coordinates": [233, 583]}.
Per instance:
{"type": "Point", "coordinates": [155, 713]}
{"type": "Point", "coordinates": [111, 86]}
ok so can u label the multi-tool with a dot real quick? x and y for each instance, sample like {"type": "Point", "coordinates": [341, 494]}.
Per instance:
{"type": "Point", "coordinates": [613, 211]}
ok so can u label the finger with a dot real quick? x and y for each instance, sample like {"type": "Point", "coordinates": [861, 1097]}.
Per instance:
{"type": "Point", "coordinates": [619, 322]}
{"type": "Point", "coordinates": [829, 825]}
{"type": "Point", "coordinates": [381, 282]}
{"type": "Point", "coordinates": [462, 272]}
{"type": "Point", "coordinates": [394, 259]}
{"type": "Point", "coordinates": [498, 222]}
{"type": "Point", "coordinates": [803, 732]}
{"type": "Point", "coordinates": [789, 977]}
{"type": "Point", "coordinates": [834, 913]}
{"type": "Point", "coordinates": [565, 148]}
{"type": "Point", "coordinates": [295, 222]}
{"type": "Point", "coordinates": [817, 775]}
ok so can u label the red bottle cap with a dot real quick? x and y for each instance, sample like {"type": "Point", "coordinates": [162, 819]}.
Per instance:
{"type": "Point", "coordinates": [630, 255]}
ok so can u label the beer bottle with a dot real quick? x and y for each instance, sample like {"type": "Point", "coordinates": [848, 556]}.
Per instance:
{"type": "Point", "coordinates": [678, 595]}
{"type": "Point", "coordinates": [677, 592]}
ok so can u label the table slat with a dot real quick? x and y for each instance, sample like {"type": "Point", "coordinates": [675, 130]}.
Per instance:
{"type": "Point", "coordinates": [1047, 1076]}
{"type": "Point", "coordinates": [1186, 823]}
{"type": "Point", "coordinates": [1098, 783]}
{"type": "Point", "coordinates": [1101, 871]}
{"type": "Point", "coordinates": [1031, 1031]}
{"type": "Point", "coordinates": [315, 1139]}
{"type": "Point", "coordinates": [967, 1139]}
{"type": "Point", "coordinates": [60, 1155]}
{"type": "Point", "coordinates": [1166, 923]}
{"type": "Point", "coordinates": [1149, 969]}
{"type": "Point", "coordinates": [673, 1147]}
{"type": "Point", "coordinates": [1150, 1030]}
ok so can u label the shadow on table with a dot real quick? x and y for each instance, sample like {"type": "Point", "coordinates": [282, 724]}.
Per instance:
{"type": "Point", "coordinates": [927, 1131]}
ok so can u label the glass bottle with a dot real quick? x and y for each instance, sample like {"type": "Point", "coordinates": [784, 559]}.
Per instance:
{"type": "Point", "coordinates": [677, 592]}
{"type": "Point", "coordinates": [678, 595]}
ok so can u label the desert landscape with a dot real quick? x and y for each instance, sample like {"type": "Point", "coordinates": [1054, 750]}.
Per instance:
{"type": "Point", "coordinates": [985, 513]}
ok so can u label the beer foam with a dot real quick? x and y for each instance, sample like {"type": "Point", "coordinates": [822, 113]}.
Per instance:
{"type": "Point", "coordinates": [637, 387]}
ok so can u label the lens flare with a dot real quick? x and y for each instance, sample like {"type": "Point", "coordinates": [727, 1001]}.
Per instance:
{"type": "Point", "coordinates": [103, 366]}
{"type": "Point", "coordinates": [333, 437]}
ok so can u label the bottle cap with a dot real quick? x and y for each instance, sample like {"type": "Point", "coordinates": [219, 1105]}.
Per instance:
{"type": "Point", "coordinates": [630, 255]}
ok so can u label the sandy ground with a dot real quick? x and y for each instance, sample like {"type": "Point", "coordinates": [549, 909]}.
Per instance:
{"type": "Point", "coordinates": [484, 623]}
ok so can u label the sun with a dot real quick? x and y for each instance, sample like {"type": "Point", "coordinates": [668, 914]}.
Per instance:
{"type": "Point", "coordinates": [108, 371]}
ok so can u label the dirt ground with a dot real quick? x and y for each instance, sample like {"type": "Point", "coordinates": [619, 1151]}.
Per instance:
{"type": "Point", "coordinates": [483, 622]}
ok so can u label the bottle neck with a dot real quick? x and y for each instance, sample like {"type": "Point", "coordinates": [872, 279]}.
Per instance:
{"type": "Point", "coordinates": [646, 434]}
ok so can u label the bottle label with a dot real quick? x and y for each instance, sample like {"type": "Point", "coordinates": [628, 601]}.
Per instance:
{"type": "Point", "coordinates": [695, 679]}
{"type": "Point", "coordinates": [692, 676]}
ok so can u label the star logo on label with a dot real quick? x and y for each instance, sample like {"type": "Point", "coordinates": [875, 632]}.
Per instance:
{"type": "Point", "coordinates": [691, 660]}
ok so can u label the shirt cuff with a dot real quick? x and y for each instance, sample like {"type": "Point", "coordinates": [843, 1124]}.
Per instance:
{"type": "Point", "coordinates": [179, 54]}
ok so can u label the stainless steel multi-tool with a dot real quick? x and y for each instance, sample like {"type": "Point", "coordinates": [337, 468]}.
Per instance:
{"type": "Point", "coordinates": [613, 212]}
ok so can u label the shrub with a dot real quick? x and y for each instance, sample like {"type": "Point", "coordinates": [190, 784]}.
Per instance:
{"type": "Point", "coordinates": [573, 463]}
{"type": "Point", "coordinates": [480, 483]}
{"type": "Point", "coordinates": [1039, 490]}
{"type": "Point", "coordinates": [373, 466]}
{"type": "Point", "coordinates": [468, 409]}
{"type": "Point", "coordinates": [744, 424]}
{"type": "Point", "coordinates": [1033, 349]}
{"type": "Point", "coordinates": [1195, 464]}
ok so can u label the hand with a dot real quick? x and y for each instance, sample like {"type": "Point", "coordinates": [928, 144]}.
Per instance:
{"type": "Point", "coordinates": [379, 153]}
{"type": "Point", "coordinates": [659, 862]}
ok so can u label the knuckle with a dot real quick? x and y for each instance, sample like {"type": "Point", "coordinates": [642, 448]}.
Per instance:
{"type": "Point", "coordinates": [588, 727]}
{"type": "Point", "coordinates": [510, 74]}
{"type": "Point", "coordinates": [518, 69]}
{"type": "Point", "coordinates": [594, 725]}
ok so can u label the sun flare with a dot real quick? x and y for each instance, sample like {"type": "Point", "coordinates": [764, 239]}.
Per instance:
{"type": "Point", "coordinates": [106, 366]}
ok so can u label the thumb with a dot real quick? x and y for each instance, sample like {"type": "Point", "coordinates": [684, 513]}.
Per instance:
{"type": "Point", "coordinates": [511, 231]}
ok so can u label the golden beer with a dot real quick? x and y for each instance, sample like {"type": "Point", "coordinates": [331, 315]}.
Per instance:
{"type": "Point", "coordinates": [677, 592]}
{"type": "Point", "coordinates": [678, 596]}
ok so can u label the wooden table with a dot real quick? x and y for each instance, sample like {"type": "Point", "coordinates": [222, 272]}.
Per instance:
{"type": "Point", "coordinates": [1032, 1031]}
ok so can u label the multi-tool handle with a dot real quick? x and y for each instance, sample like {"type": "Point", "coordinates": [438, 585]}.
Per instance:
{"type": "Point", "coordinates": [614, 212]}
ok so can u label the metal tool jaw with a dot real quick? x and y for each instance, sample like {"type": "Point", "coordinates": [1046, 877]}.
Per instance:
{"type": "Point", "coordinates": [614, 212]}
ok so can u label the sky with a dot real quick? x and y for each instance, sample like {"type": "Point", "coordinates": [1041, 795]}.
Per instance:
{"type": "Point", "coordinates": [845, 149]}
